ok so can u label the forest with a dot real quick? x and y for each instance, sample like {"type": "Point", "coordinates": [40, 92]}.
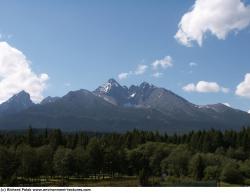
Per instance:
{"type": "Point", "coordinates": [50, 157]}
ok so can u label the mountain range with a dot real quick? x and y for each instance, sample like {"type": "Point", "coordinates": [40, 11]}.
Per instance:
{"type": "Point", "coordinates": [112, 107]}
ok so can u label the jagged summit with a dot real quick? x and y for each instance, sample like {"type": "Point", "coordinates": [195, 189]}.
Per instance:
{"type": "Point", "coordinates": [112, 89]}
{"type": "Point", "coordinates": [113, 82]}
{"type": "Point", "coordinates": [106, 87]}
{"type": "Point", "coordinates": [114, 93]}
{"type": "Point", "coordinates": [146, 85]}
{"type": "Point", "coordinates": [16, 103]}
{"type": "Point", "coordinates": [22, 97]}
{"type": "Point", "coordinates": [49, 99]}
{"type": "Point", "coordinates": [22, 93]}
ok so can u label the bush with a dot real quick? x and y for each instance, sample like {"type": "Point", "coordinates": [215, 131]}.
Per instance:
{"type": "Point", "coordinates": [245, 168]}
{"type": "Point", "coordinates": [196, 166]}
{"type": "Point", "coordinates": [247, 182]}
{"type": "Point", "coordinates": [232, 174]}
{"type": "Point", "coordinates": [176, 163]}
{"type": "Point", "coordinates": [212, 173]}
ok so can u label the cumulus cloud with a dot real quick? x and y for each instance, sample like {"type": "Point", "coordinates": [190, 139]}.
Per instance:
{"type": "Point", "coordinates": [243, 89]}
{"type": "Point", "coordinates": [189, 87]}
{"type": "Point", "coordinates": [141, 69]}
{"type": "Point", "coordinates": [249, 111]}
{"type": "Point", "coordinates": [204, 87]}
{"type": "Point", "coordinates": [157, 66]}
{"type": "Point", "coordinates": [166, 62]}
{"type": "Point", "coordinates": [123, 75]}
{"type": "Point", "coordinates": [16, 75]}
{"type": "Point", "coordinates": [219, 17]}
{"type": "Point", "coordinates": [157, 74]}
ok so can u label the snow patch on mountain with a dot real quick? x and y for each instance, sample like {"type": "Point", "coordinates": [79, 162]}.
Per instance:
{"type": "Point", "coordinates": [132, 95]}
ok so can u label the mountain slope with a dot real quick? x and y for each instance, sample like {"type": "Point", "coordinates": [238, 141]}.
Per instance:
{"type": "Point", "coordinates": [112, 107]}
{"type": "Point", "coordinates": [83, 110]}
{"type": "Point", "coordinates": [227, 116]}
{"type": "Point", "coordinates": [149, 96]}
{"type": "Point", "coordinates": [112, 92]}
{"type": "Point", "coordinates": [17, 103]}
{"type": "Point", "coordinates": [180, 112]}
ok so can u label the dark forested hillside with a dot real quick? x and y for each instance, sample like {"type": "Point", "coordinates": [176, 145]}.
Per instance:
{"type": "Point", "coordinates": [51, 157]}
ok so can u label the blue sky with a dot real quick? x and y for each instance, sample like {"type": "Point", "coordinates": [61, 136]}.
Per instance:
{"type": "Point", "coordinates": [81, 44]}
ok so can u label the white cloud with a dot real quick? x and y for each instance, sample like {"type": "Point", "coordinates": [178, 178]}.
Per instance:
{"type": "Point", "coordinates": [243, 89]}
{"type": "Point", "coordinates": [123, 75]}
{"type": "Point", "coordinates": [204, 87]}
{"type": "Point", "coordinates": [157, 74]}
{"type": "Point", "coordinates": [16, 75]}
{"type": "Point", "coordinates": [219, 17]}
{"type": "Point", "coordinates": [166, 62]}
{"type": "Point", "coordinates": [227, 104]}
{"type": "Point", "coordinates": [249, 111]}
{"type": "Point", "coordinates": [141, 69]}
{"type": "Point", "coordinates": [157, 65]}
{"type": "Point", "coordinates": [192, 64]}
{"type": "Point", "coordinates": [189, 87]}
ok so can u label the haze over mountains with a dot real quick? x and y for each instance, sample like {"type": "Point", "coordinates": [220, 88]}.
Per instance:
{"type": "Point", "coordinates": [112, 107]}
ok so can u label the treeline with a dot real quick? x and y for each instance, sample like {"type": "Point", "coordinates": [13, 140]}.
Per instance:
{"type": "Point", "coordinates": [201, 156]}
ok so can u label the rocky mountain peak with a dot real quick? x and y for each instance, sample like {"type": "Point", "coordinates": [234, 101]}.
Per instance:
{"type": "Point", "coordinates": [17, 102]}
{"type": "Point", "coordinates": [21, 97]}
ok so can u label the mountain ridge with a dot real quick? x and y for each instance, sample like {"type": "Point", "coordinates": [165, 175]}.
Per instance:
{"type": "Point", "coordinates": [112, 107]}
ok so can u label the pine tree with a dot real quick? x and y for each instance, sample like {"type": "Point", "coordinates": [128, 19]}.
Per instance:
{"type": "Point", "coordinates": [30, 137]}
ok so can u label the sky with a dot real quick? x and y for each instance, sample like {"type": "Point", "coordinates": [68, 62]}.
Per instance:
{"type": "Point", "coordinates": [198, 49]}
